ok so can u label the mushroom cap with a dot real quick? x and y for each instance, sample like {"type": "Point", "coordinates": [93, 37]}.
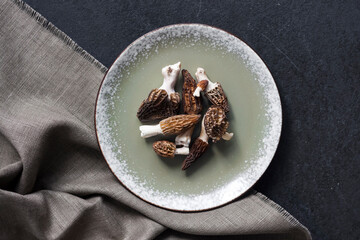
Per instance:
{"type": "Point", "coordinates": [158, 106]}
{"type": "Point", "coordinates": [178, 123]}
{"type": "Point", "coordinates": [197, 149]}
{"type": "Point", "coordinates": [217, 97]}
{"type": "Point", "coordinates": [203, 84]}
{"type": "Point", "coordinates": [191, 104]}
{"type": "Point", "coordinates": [215, 122]}
{"type": "Point", "coordinates": [174, 105]}
{"type": "Point", "coordinates": [164, 148]}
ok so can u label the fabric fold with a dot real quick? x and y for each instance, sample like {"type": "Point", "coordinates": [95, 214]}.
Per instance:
{"type": "Point", "coordinates": [54, 182]}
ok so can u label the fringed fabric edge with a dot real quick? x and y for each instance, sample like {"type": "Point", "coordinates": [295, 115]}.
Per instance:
{"type": "Point", "coordinates": [284, 213]}
{"type": "Point", "coordinates": [60, 34]}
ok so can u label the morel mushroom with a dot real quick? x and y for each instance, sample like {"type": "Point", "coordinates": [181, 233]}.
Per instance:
{"type": "Point", "coordinates": [216, 124]}
{"type": "Point", "coordinates": [162, 102]}
{"type": "Point", "coordinates": [170, 126]}
{"type": "Point", "coordinates": [213, 91]}
{"type": "Point", "coordinates": [168, 149]}
{"type": "Point", "coordinates": [191, 105]}
{"type": "Point", "coordinates": [198, 148]}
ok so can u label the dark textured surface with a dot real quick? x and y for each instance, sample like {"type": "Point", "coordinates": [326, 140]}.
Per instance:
{"type": "Point", "coordinates": [313, 51]}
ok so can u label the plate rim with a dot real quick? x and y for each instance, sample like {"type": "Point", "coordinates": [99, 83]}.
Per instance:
{"type": "Point", "coordinates": [272, 155]}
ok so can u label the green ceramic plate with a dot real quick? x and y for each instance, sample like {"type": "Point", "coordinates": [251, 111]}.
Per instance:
{"type": "Point", "coordinates": [227, 169]}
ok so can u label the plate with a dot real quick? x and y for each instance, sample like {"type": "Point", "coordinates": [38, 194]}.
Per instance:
{"type": "Point", "coordinates": [228, 168]}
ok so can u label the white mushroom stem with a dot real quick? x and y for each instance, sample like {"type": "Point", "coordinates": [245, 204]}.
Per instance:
{"type": "Point", "coordinates": [184, 138]}
{"type": "Point", "coordinates": [171, 74]}
{"type": "Point", "coordinates": [201, 75]}
{"type": "Point", "coordinates": [182, 151]}
{"type": "Point", "coordinates": [150, 130]}
{"type": "Point", "coordinates": [203, 136]}
{"type": "Point", "coordinates": [227, 136]}
{"type": "Point", "coordinates": [197, 92]}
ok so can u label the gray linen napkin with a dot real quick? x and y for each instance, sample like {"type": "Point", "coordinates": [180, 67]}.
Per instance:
{"type": "Point", "coordinates": [54, 182]}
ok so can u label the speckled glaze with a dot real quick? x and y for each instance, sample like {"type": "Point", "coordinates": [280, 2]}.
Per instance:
{"type": "Point", "coordinates": [116, 145]}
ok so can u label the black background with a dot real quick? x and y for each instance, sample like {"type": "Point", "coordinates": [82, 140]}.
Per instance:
{"type": "Point", "coordinates": [313, 52]}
